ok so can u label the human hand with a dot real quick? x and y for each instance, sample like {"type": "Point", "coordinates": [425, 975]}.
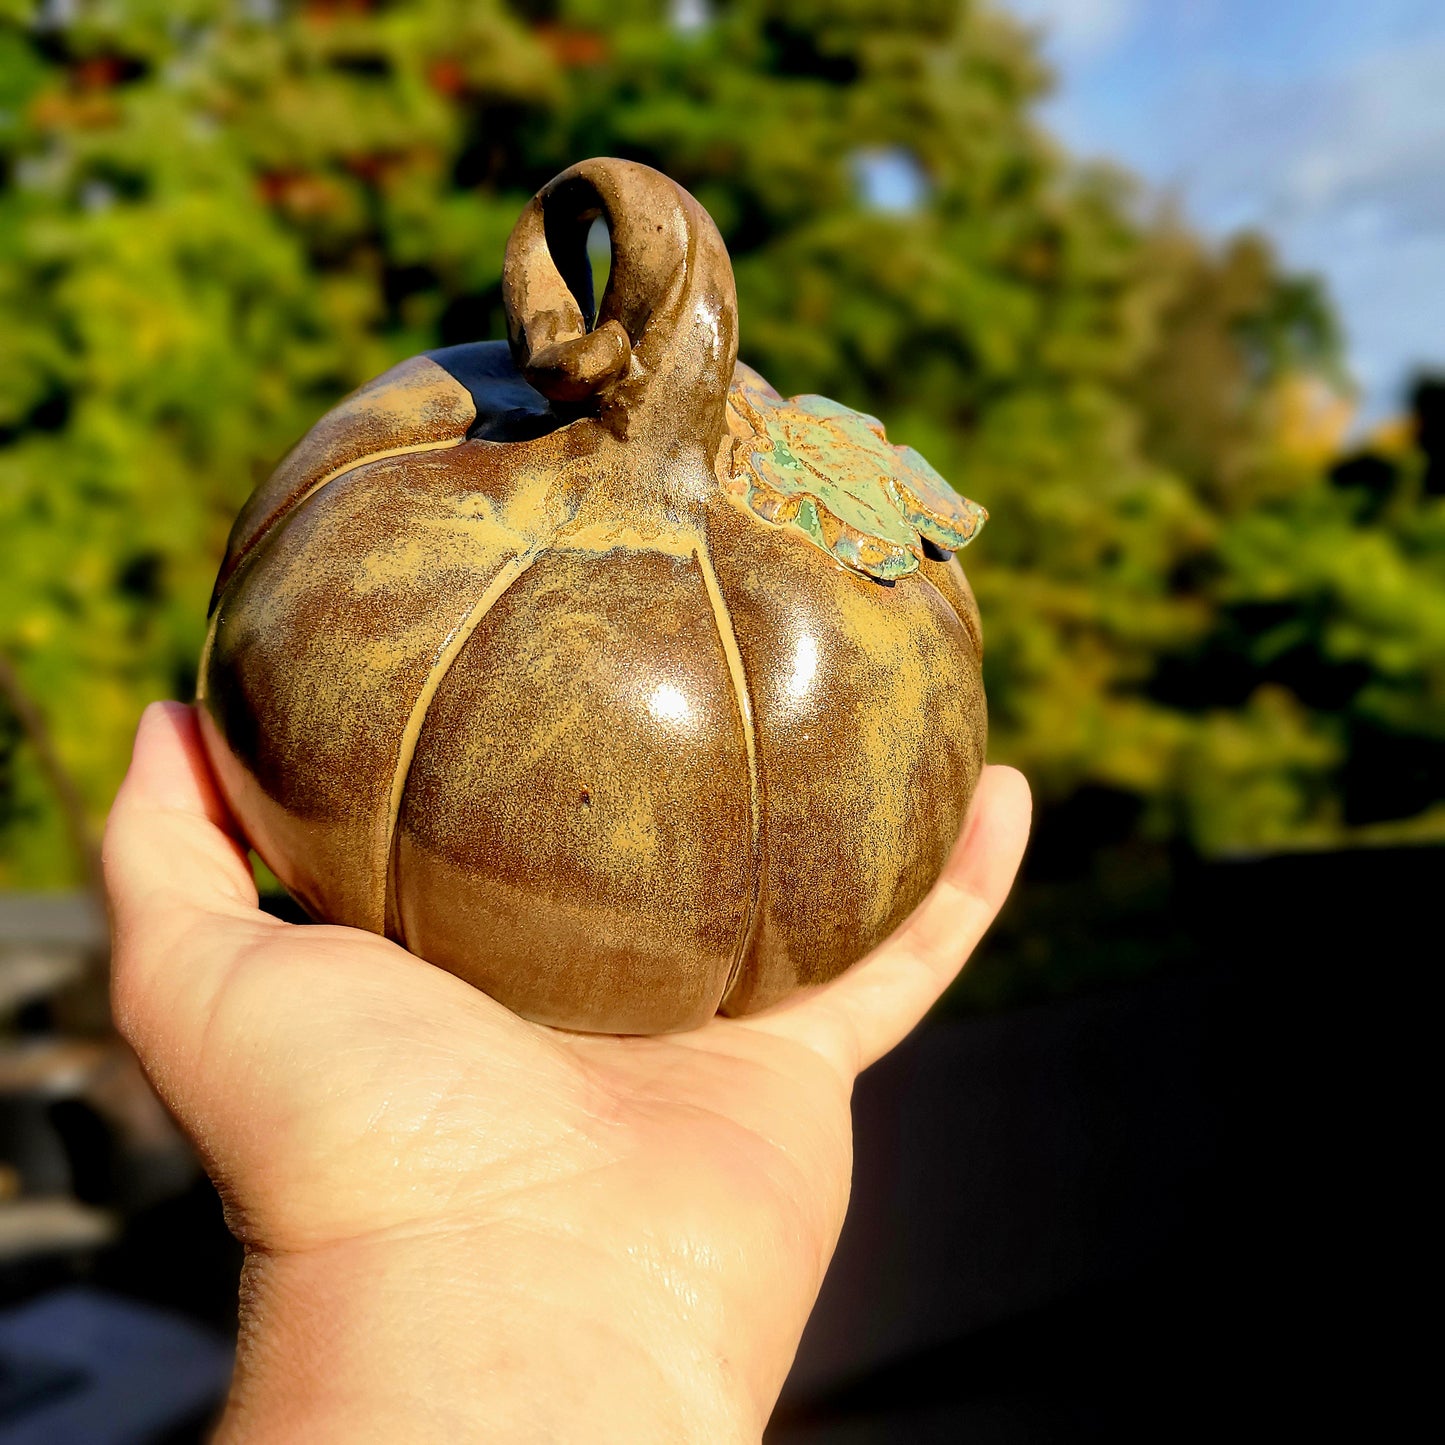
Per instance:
{"type": "Point", "coordinates": [462, 1225]}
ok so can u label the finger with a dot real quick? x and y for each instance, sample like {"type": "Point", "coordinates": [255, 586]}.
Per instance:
{"type": "Point", "coordinates": [168, 765]}
{"type": "Point", "coordinates": [172, 862]}
{"type": "Point", "coordinates": [858, 1017]}
{"type": "Point", "coordinates": [169, 828]}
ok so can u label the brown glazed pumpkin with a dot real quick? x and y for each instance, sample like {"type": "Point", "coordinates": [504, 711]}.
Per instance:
{"type": "Point", "coordinates": [588, 667]}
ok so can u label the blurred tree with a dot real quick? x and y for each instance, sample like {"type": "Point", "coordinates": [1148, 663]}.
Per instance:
{"type": "Point", "coordinates": [1427, 402]}
{"type": "Point", "coordinates": [209, 217]}
{"type": "Point", "coordinates": [218, 215]}
{"type": "Point", "coordinates": [1225, 388]}
{"type": "Point", "coordinates": [1330, 616]}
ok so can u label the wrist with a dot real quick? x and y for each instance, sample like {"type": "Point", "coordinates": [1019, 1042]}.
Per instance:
{"type": "Point", "coordinates": [500, 1334]}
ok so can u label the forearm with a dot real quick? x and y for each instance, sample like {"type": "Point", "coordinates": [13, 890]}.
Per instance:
{"type": "Point", "coordinates": [506, 1338]}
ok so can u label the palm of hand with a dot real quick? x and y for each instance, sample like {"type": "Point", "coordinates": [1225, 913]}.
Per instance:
{"type": "Point", "coordinates": [350, 1099]}
{"type": "Point", "coordinates": [716, 1162]}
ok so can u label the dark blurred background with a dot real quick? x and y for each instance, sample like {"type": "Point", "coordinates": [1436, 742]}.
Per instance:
{"type": "Point", "coordinates": [1157, 283]}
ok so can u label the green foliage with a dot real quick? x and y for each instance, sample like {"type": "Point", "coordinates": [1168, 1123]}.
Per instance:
{"type": "Point", "coordinates": [215, 219]}
{"type": "Point", "coordinates": [1330, 629]}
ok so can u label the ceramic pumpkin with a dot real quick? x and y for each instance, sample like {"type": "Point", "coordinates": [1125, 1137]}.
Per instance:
{"type": "Point", "coordinates": [588, 667]}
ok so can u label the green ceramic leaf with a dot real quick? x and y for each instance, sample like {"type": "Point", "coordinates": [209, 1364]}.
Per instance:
{"type": "Point", "coordinates": [830, 473]}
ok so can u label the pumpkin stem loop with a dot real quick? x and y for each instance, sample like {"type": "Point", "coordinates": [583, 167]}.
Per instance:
{"type": "Point", "coordinates": [659, 359]}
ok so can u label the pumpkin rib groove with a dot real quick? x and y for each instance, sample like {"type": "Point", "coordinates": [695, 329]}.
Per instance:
{"type": "Point", "coordinates": [737, 675]}
{"type": "Point", "coordinates": [962, 621]}
{"type": "Point", "coordinates": [289, 510]}
{"type": "Point", "coordinates": [416, 720]}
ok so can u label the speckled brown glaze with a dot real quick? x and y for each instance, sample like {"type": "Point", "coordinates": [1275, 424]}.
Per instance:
{"type": "Point", "coordinates": [504, 664]}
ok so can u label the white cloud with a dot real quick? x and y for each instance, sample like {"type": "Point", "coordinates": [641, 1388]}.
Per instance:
{"type": "Point", "coordinates": [1345, 168]}
{"type": "Point", "coordinates": [1369, 134]}
{"type": "Point", "coordinates": [1079, 31]}
{"type": "Point", "coordinates": [1307, 119]}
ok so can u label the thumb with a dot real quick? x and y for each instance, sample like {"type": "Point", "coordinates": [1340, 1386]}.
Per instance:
{"type": "Point", "coordinates": [181, 895]}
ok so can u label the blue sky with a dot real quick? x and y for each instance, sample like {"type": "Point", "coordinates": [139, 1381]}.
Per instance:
{"type": "Point", "coordinates": [1320, 121]}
